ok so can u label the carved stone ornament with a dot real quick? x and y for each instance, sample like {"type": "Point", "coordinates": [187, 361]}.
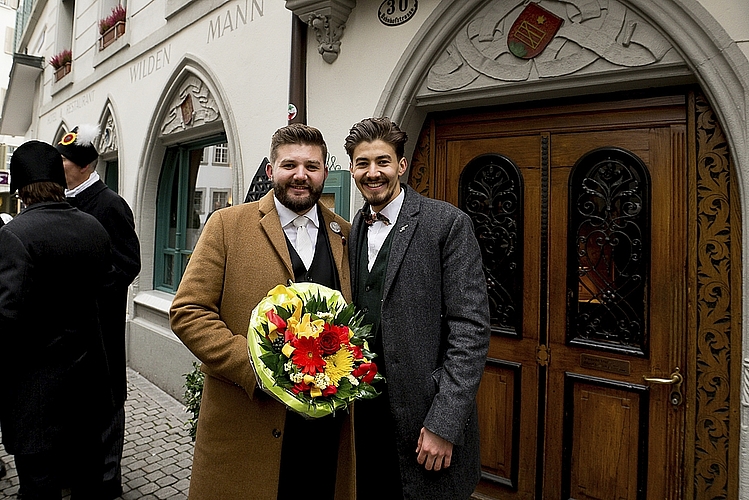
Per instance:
{"type": "Point", "coordinates": [327, 18]}
{"type": "Point", "coordinates": [192, 107]}
{"type": "Point", "coordinates": [108, 137]}
{"type": "Point", "coordinates": [596, 36]}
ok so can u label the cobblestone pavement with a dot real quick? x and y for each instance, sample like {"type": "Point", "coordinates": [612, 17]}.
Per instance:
{"type": "Point", "coordinates": [158, 450]}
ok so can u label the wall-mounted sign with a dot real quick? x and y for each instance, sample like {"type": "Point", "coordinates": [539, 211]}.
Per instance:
{"type": "Point", "coordinates": [4, 177]}
{"type": "Point", "coordinates": [532, 31]}
{"type": "Point", "coordinates": [397, 12]}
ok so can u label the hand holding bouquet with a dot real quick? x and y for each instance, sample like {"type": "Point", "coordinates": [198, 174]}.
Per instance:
{"type": "Point", "coordinates": [309, 349]}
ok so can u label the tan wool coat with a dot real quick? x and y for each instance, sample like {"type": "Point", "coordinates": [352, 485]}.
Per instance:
{"type": "Point", "coordinates": [240, 256]}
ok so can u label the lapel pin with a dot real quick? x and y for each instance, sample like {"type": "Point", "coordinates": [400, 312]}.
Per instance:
{"type": "Point", "coordinates": [403, 228]}
{"type": "Point", "coordinates": [336, 228]}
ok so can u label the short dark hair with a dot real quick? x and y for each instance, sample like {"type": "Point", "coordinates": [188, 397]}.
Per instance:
{"type": "Point", "coordinates": [297, 133]}
{"type": "Point", "coordinates": [372, 129]}
{"type": "Point", "coordinates": [37, 192]}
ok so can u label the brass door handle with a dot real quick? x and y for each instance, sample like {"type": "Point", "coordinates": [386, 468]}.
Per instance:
{"type": "Point", "coordinates": [675, 380]}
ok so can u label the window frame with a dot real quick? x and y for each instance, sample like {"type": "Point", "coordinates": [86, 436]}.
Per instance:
{"type": "Point", "coordinates": [176, 163]}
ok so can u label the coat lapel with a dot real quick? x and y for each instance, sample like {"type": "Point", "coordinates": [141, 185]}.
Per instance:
{"type": "Point", "coordinates": [335, 237]}
{"type": "Point", "coordinates": [356, 234]}
{"type": "Point", "coordinates": [404, 229]}
{"type": "Point", "coordinates": [271, 224]}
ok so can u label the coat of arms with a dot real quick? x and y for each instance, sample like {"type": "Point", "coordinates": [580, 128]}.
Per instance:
{"type": "Point", "coordinates": [532, 31]}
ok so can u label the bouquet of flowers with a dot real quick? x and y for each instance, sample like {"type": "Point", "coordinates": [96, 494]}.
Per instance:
{"type": "Point", "coordinates": [309, 349]}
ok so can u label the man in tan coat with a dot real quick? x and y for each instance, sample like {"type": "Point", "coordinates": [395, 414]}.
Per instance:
{"type": "Point", "coordinates": [248, 445]}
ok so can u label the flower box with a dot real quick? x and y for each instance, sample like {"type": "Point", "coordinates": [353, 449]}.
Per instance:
{"type": "Point", "coordinates": [111, 35]}
{"type": "Point", "coordinates": [62, 71]}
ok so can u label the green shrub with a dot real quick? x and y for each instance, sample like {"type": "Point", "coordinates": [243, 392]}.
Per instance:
{"type": "Point", "coordinates": [193, 395]}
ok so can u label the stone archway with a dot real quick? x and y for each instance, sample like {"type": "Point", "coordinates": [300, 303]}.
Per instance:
{"type": "Point", "coordinates": [192, 105]}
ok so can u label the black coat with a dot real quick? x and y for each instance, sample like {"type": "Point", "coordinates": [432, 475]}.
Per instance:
{"type": "Point", "coordinates": [54, 262]}
{"type": "Point", "coordinates": [115, 215]}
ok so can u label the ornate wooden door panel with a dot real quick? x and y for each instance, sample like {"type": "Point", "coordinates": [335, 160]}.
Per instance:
{"type": "Point", "coordinates": [581, 215]}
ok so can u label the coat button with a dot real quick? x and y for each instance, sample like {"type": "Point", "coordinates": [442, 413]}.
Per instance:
{"type": "Point", "coordinates": [367, 288]}
{"type": "Point", "coordinates": [276, 433]}
{"type": "Point", "coordinates": [365, 310]}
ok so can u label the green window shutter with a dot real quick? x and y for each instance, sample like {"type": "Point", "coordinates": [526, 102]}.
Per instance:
{"type": "Point", "coordinates": [338, 184]}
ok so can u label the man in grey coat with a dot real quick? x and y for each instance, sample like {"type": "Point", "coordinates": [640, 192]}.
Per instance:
{"type": "Point", "coordinates": [417, 276]}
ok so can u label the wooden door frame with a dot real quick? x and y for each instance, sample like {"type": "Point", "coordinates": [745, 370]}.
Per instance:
{"type": "Point", "coordinates": [714, 296]}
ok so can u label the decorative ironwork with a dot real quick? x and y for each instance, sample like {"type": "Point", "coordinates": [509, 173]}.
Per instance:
{"type": "Point", "coordinates": [491, 193]}
{"type": "Point", "coordinates": [260, 184]}
{"type": "Point", "coordinates": [608, 231]}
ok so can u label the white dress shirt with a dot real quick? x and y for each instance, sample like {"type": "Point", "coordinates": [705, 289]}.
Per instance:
{"type": "Point", "coordinates": [287, 216]}
{"type": "Point", "coordinates": [378, 232]}
{"type": "Point", "coordinates": [69, 193]}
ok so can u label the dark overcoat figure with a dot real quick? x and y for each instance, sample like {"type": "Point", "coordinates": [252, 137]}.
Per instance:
{"type": "Point", "coordinates": [113, 212]}
{"type": "Point", "coordinates": [55, 393]}
{"type": "Point", "coordinates": [434, 323]}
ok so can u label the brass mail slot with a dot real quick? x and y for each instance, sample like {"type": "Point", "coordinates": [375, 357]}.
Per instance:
{"type": "Point", "coordinates": [604, 364]}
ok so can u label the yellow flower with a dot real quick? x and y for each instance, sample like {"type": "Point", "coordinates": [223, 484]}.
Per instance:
{"type": "Point", "coordinates": [306, 327]}
{"type": "Point", "coordinates": [339, 365]}
{"type": "Point", "coordinates": [287, 350]}
{"type": "Point", "coordinates": [285, 297]}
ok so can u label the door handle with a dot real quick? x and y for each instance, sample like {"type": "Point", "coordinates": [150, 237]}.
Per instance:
{"type": "Point", "coordinates": [675, 380]}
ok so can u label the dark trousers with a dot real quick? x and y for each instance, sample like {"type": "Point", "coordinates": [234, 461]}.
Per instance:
{"type": "Point", "coordinates": [39, 473]}
{"type": "Point", "coordinates": [377, 470]}
{"type": "Point", "coordinates": [113, 440]}
{"type": "Point", "coordinates": [317, 439]}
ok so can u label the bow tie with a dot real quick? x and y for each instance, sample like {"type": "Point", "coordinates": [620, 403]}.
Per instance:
{"type": "Point", "coordinates": [370, 218]}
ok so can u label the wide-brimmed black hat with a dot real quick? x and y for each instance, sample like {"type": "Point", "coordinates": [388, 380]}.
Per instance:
{"type": "Point", "coordinates": [35, 161]}
{"type": "Point", "coordinates": [78, 145]}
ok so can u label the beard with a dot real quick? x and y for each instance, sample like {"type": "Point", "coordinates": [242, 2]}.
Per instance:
{"type": "Point", "coordinates": [295, 203]}
{"type": "Point", "coordinates": [377, 199]}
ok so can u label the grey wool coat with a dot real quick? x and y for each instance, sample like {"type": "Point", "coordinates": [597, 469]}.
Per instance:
{"type": "Point", "coordinates": [435, 331]}
{"type": "Point", "coordinates": [240, 256]}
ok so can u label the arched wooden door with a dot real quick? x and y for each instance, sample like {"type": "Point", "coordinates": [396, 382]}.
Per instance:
{"type": "Point", "coordinates": [580, 211]}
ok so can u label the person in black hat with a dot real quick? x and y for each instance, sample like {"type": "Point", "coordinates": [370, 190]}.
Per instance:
{"type": "Point", "coordinates": [88, 193]}
{"type": "Point", "coordinates": [55, 397]}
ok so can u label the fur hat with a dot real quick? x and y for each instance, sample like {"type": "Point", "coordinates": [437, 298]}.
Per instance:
{"type": "Point", "coordinates": [35, 161]}
{"type": "Point", "coordinates": [78, 145]}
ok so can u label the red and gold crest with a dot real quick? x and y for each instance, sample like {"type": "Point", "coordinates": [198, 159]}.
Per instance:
{"type": "Point", "coordinates": [532, 31]}
{"type": "Point", "coordinates": [69, 138]}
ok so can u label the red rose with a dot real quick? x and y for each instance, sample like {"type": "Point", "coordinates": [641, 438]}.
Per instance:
{"type": "Point", "coordinates": [330, 341]}
{"type": "Point", "coordinates": [330, 390]}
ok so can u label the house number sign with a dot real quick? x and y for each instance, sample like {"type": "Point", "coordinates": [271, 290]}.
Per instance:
{"type": "Point", "coordinates": [397, 12]}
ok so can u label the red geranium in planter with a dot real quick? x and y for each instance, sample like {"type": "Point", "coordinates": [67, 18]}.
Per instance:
{"type": "Point", "coordinates": [112, 27]}
{"type": "Point", "coordinates": [61, 62]}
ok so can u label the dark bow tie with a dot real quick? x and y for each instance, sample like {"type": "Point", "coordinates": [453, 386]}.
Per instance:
{"type": "Point", "coordinates": [370, 218]}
